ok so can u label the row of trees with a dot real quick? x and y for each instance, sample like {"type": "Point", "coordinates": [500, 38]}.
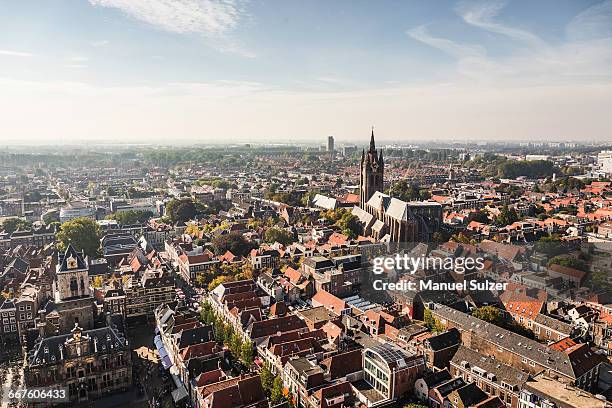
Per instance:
{"type": "Point", "coordinates": [244, 352]}
{"type": "Point", "coordinates": [130, 217]}
{"type": "Point", "coordinates": [530, 169]}
{"type": "Point", "coordinates": [226, 335]}
{"type": "Point", "coordinates": [273, 387]}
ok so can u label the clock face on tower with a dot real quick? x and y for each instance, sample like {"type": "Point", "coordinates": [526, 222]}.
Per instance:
{"type": "Point", "coordinates": [71, 262]}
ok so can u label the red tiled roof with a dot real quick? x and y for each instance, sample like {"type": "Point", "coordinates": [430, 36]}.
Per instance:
{"type": "Point", "coordinates": [329, 301]}
{"type": "Point", "coordinates": [293, 275]}
{"type": "Point", "coordinates": [567, 271]}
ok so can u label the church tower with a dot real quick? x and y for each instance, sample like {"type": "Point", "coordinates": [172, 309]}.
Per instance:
{"type": "Point", "coordinates": [372, 172]}
{"type": "Point", "coordinates": [71, 277]}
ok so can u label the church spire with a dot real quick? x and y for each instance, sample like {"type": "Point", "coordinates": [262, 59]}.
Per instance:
{"type": "Point", "coordinates": [372, 144]}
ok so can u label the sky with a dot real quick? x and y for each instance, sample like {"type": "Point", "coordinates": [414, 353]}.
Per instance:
{"type": "Point", "coordinates": [223, 71]}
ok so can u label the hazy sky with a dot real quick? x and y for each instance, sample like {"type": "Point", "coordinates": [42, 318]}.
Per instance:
{"type": "Point", "coordinates": [198, 71]}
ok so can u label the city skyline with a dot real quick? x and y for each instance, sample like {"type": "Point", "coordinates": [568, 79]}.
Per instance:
{"type": "Point", "coordinates": [197, 72]}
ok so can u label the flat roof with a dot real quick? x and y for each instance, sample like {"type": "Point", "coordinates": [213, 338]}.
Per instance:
{"type": "Point", "coordinates": [565, 396]}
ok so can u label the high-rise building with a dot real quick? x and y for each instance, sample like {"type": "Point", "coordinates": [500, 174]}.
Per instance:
{"type": "Point", "coordinates": [330, 144]}
{"type": "Point", "coordinates": [604, 160]}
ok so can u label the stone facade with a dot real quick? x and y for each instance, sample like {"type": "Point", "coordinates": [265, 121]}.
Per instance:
{"type": "Point", "coordinates": [91, 363]}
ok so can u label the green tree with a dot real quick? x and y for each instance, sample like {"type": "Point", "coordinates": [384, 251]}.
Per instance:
{"type": "Point", "coordinates": [552, 245]}
{"type": "Point", "coordinates": [276, 393]}
{"type": "Point", "coordinates": [350, 225]}
{"type": "Point", "coordinates": [567, 261]}
{"type": "Point", "coordinates": [431, 322]}
{"type": "Point", "coordinates": [131, 217]}
{"type": "Point", "coordinates": [235, 345]}
{"type": "Point", "coordinates": [51, 216]}
{"type": "Point", "coordinates": [246, 353]}
{"type": "Point", "coordinates": [280, 235]}
{"type": "Point", "coordinates": [481, 216]}
{"type": "Point", "coordinates": [406, 191]}
{"type": "Point", "coordinates": [489, 314]}
{"type": "Point", "coordinates": [83, 233]}
{"type": "Point", "coordinates": [531, 169]}
{"type": "Point", "coordinates": [98, 281]}
{"type": "Point", "coordinates": [460, 238]}
{"type": "Point", "coordinates": [217, 281]}
{"type": "Point", "coordinates": [180, 210]}
{"type": "Point", "coordinates": [207, 314]}
{"type": "Point", "coordinates": [506, 216]}
{"type": "Point", "coordinates": [11, 225]}
{"type": "Point", "coordinates": [234, 242]}
{"type": "Point", "coordinates": [267, 379]}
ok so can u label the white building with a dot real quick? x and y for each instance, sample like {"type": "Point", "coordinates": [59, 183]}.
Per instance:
{"type": "Point", "coordinates": [75, 211]}
{"type": "Point", "coordinates": [604, 161]}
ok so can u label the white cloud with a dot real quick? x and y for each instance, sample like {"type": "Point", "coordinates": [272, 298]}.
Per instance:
{"type": "Point", "coordinates": [593, 23]}
{"type": "Point", "coordinates": [209, 17]}
{"type": "Point", "coordinates": [585, 57]}
{"type": "Point", "coordinates": [11, 53]}
{"type": "Point", "coordinates": [453, 48]}
{"type": "Point", "coordinates": [481, 15]}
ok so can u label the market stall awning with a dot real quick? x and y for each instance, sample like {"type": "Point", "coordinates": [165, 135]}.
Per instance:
{"type": "Point", "coordinates": [163, 354]}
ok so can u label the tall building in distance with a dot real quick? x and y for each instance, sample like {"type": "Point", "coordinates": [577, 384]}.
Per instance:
{"type": "Point", "coordinates": [371, 175]}
{"type": "Point", "coordinates": [604, 160]}
{"type": "Point", "coordinates": [330, 144]}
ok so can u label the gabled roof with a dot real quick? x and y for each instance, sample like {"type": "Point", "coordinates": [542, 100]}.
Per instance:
{"type": "Point", "coordinates": [68, 254]}
{"type": "Point", "coordinates": [436, 377]}
{"type": "Point", "coordinates": [329, 301]}
{"type": "Point", "coordinates": [194, 336]}
{"type": "Point", "coordinates": [272, 326]}
{"type": "Point", "coordinates": [339, 365]}
{"type": "Point", "coordinates": [444, 340]}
